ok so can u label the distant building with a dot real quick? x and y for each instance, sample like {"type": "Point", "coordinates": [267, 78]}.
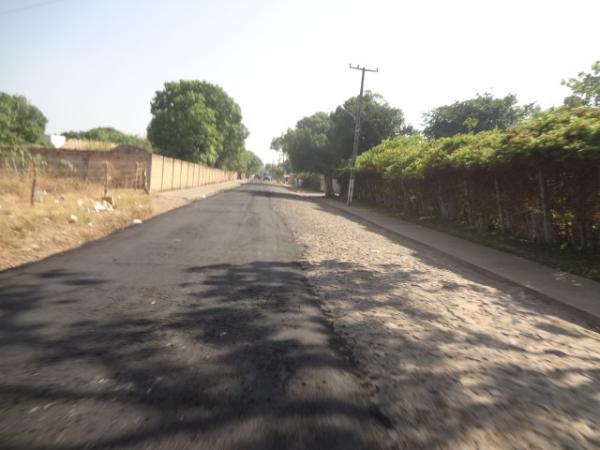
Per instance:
{"type": "Point", "coordinates": [56, 140]}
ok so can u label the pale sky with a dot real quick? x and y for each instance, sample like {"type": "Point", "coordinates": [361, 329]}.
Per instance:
{"type": "Point", "coordinates": [88, 63]}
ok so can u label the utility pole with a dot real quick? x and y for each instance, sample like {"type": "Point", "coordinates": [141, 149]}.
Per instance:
{"type": "Point", "coordinates": [356, 130]}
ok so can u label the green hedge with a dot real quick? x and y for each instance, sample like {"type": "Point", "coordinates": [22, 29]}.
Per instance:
{"type": "Point", "coordinates": [539, 179]}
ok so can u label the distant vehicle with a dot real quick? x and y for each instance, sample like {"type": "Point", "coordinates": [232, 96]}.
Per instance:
{"type": "Point", "coordinates": [267, 177]}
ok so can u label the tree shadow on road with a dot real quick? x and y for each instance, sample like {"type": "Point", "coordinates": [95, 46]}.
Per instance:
{"type": "Point", "coordinates": [239, 358]}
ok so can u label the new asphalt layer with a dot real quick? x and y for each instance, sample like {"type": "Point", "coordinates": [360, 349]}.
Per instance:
{"type": "Point", "coordinates": [195, 329]}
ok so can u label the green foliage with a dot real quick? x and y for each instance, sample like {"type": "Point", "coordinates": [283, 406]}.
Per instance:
{"type": "Point", "coordinates": [555, 134]}
{"type": "Point", "coordinates": [66, 167]}
{"type": "Point", "coordinates": [247, 163]}
{"type": "Point", "coordinates": [320, 143]}
{"type": "Point", "coordinates": [108, 134]}
{"type": "Point", "coordinates": [537, 180]}
{"type": "Point", "coordinates": [379, 121]}
{"type": "Point", "coordinates": [40, 161]}
{"type": "Point", "coordinates": [19, 159]}
{"type": "Point", "coordinates": [20, 121]}
{"type": "Point", "coordinates": [474, 115]}
{"type": "Point", "coordinates": [310, 180]}
{"type": "Point", "coordinates": [397, 157]}
{"type": "Point", "coordinates": [197, 121]}
{"type": "Point", "coordinates": [586, 88]}
{"type": "Point", "coordinates": [307, 146]}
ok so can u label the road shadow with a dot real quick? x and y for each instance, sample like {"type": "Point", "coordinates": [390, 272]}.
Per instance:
{"type": "Point", "coordinates": [239, 357]}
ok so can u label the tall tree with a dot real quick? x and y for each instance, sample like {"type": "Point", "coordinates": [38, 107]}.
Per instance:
{"type": "Point", "coordinates": [228, 116]}
{"type": "Point", "coordinates": [247, 163]}
{"type": "Point", "coordinates": [197, 121]}
{"type": "Point", "coordinates": [585, 88]}
{"type": "Point", "coordinates": [20, 121]}
{"type": "Point", "coordinates": [379, 121]}
{"type": "Point", "coordinates": [322, 142]}
{"type": "Point", "coordinates": [481, 113]}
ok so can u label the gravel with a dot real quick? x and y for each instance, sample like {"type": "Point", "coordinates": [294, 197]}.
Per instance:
{"type": "Point", "coordinates": [455, 359]}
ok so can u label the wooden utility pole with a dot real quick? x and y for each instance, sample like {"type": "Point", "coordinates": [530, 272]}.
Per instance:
{"type": "Point", "coordinates": [356, 130]}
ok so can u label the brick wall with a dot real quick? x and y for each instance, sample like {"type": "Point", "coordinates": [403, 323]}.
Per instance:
{"type": "Point", "coordinates": [134, 168]}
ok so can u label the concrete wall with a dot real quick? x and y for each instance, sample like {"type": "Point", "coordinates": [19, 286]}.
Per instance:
{"type": "Point", "coordinates": [169, 174]}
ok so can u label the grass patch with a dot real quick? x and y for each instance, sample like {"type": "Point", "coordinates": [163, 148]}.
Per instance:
{"type": "Point", "coordinates": [569, 260]}
{"type": "Point", "coordinates": [33, 232]}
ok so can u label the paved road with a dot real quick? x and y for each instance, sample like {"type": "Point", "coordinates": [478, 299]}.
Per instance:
{"type": "Point", "coordinates": [193, 330]}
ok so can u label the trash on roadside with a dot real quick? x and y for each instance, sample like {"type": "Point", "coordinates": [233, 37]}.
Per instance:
{"type": "Point", "coordinates": [102, 206]}
{"type": "Point", "coordinates": [72, 218]}
{"type": "Point", "coordinates": [136, 221]}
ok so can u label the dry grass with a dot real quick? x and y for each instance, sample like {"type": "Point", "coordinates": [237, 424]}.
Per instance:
{"type": "Point", "coordinates": [29, 233]}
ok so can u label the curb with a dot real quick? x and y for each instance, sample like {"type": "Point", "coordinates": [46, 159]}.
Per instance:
{"type": "Point", "coordinates": [592, 319]}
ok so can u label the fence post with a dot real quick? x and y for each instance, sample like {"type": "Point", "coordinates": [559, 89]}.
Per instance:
{"type": "Point", "coordinates": [33, 183]}
{"type": "Point", "coordinates": [105, 178]}
{"type": "Point", "coordinates": [546, 221]}
{"type": "Point", "coordinates": [145, 178]}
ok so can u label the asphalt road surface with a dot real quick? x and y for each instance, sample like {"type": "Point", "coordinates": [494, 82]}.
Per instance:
{"type": "Point", "coordinates": [193, 330]}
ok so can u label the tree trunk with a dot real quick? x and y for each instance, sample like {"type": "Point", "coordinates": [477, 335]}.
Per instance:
{"type": "Point", "coordinates": [329, 186]}
{"type": "Point", "coordinates": [443, 209]}
{"type": "Point", "coordinates": [404, 197]}
{"type": "Point", "coordinates": [546, 221]}
{"type": "Point", "coordinates": [499, 203]}
{"type": "Point", "coordinates": [468, 210]}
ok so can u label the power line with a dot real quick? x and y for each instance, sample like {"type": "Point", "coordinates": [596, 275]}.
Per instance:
{"type": "Point", "coordinates": [356, 130]}
{"type": "Point", "coordinates": [25, 8]}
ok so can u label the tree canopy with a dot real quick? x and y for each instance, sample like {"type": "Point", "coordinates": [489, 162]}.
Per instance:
{"type": "Point", "coordinates": [481, 113]}
{"type": "Point", "coordinates": [197, 121]}
{"type": "Point", "coordinates": [108, 134]}
{"type": "Point", "coordinates": [585, 88]}
{"type": "Point", "coordinates": [308, 146]}
{"type": "Point", "coordinates": [556, 134]}
{"type": "Point", "coordinates": [247, 163]}
{"type": "Point", "coordinates": [379, 121]}
{"type": "Point", "coordinates": [20, 121]}
{"type": "Point", "coordinates": [322, 142]}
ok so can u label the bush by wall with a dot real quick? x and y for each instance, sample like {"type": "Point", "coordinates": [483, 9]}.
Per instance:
{"type": "Point", "coordinates": [310, 180]}
{"type": "Point", "coordinates": [539, 180]}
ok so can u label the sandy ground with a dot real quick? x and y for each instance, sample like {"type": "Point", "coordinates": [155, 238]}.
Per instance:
{"type": "Point", "coordinates": [456, 360]}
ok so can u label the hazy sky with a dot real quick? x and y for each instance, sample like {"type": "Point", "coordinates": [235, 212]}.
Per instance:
{"type": "Point", "coordinates": [88, 63]}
